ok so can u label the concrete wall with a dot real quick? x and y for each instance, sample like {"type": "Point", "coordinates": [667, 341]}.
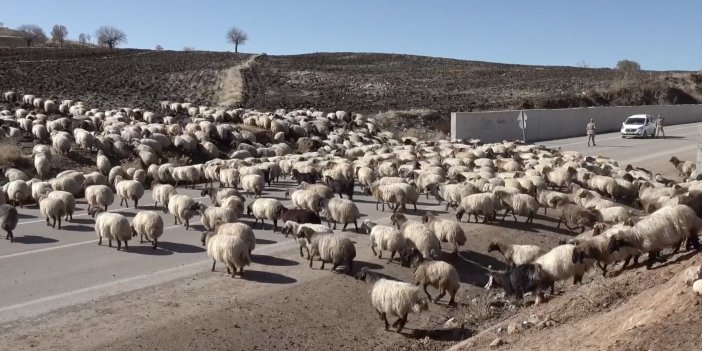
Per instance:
{"type": "Point", "coordinates": [564, 123]}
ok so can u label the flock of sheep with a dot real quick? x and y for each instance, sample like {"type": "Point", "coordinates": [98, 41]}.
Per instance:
{"type": "Point", "coordinates": [626, 211]}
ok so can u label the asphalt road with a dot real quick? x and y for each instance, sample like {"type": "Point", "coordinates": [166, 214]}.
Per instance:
{"type": "Point", "coordinates": [46, 269]}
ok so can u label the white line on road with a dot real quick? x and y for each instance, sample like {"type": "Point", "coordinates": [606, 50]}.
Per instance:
{"type": "Point", "coordinates": [617, 137]}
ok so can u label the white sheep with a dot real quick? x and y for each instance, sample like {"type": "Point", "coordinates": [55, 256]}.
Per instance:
{"type": "Point", "coordinates": [516, 254]}
{"type": "Point", "coordinates": [68, 183]}
{"type": "Point", "coordinates": [230, 250]}
{"type": "Point", "coordinates": [341, 211]}
{"type": "Point", "coordinates": [212, 215]}
{"type": "Point", "coordinates": [612, 215]}
{"type": "Point", "coordinates": [160, 193]}
{"type": "Point", "coordinates": [128, 190]}
{"type": "Point", "coordinates": [18, 192]}
{"type": "Point", "coordinates": [306, 199]}
{"type": "Point", "coordinates": [186, 174]}
{"type": "Point", "coordinates": [398, 193]}
{"type": "Point", "coordinates": [522, 204]}
{"type": "Point", "coordinates": [42, 163]}
{"type": "Point", "coordinates": [439, 274]}
{"type": "Point", "coordinates": [551, 199]}
{"type": "Point", "coordinates": [384, 238]}
{"type": "Point", "coordinates": [112, 226]}
{"type": "Point", "coordinates": [418, 236]}
{"type": "Point", "coordinates": [597, 248]}
{"type": "Point", "coordinates": [446, 230]}
{"type": "Point", "coordinates": [99, 196]}
{"type": "Point", "coordinates": [148, 224]}
{"type": "Point", "coordinates": [264, 208]}
{"type": "Point", "coordinates": [477, 204]}
{"type": "Point", "coordinates": [39, 188]}
{"type": "Point", "coordinates": [235, 203]}
{"type": "Point", "coordinates": [68, 199]}
{"type": "Point", "coordinates": [183, 207]}
{"type": "Point", "coordinates": [253, 184]}
{"type": "Point", "coordinates": [238, 230]}
{"type": "Point", "coordinates": [395, 298]}
{"type": "Point", "coordinates": [330, 248]}
{"type": "Point", "coordinates": [322, 190]}
{"type": "Point", "coordinates": [291, 227]}
{"type": "Point", "coordinates": [558, 265]}
{"type": "Point", "coordinates": [52, 210]}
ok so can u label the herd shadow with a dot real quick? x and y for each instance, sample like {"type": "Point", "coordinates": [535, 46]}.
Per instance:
{"type": "Point", "coordinates": [77, 227]}
{"type": "Point", "coordinates": [180, 248]}
{"type": "Point", "coordinates": [147, 249]}
{"type": "Point", "coordinates": [34, 239]}
{"type": "Point", "coordinates": [447, 335]}
{"type": "Point", "coordinates": [472, 266]}
{"type": "Point", "coordinates": [264, 241]}
{"type": "Point", "coordinates": [267, 277]}
{"type": "Point", "coordinates": [273, 261]}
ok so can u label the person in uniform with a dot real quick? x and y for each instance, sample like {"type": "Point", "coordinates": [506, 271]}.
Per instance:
{"type": "Point", "coordinates": [590, 130]}
{"type": "Point", "coordinates": [659, 127]}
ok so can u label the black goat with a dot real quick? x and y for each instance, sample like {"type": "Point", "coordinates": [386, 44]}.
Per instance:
{"type": "Point", "coordinates": [296, 215]}
{"type": "Point", "coordinates": [516, 281]}
{"type": "Point", "coordinates": [305, 177]}
{"type": "Point", "coordinates": [341, 187]}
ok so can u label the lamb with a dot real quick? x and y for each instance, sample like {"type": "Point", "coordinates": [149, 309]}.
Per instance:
{"type": "Point", "coordinates": [68, 199]}
{"type": "Point", "coordinates": [439, 274]}
{"type": "Point", "coordinates": [230, 250]}
{"type": "Point", "coordinates": [525, 205]}
{"type": "Point", "coordinates": [558, 265]}
{"type": "Point", "coordinates": [8, 220]}
{"type": "Point", "coordinates": [394, 298]}
{"type": "Point", "coordinates": [597, 248]}
{"type": "Point", "coordinates": [183, 207]}
{"type": "Point", "coordinates": [667, 227]}
{"type": "Point", "coordinates": [160, 193]}
{"type": "Point", "coordinates": [341, 211]}
{"type": "Point", "coordinates": [264, 208]}
{"type": "Point", "coordinates": [417, 235]}
{"type": "Point", "coordinates": [445, 230]}
{"type": "Point", "coordinates": [253, 184]}
{"type": "Point", "coordinates": [330, 248]}
{"type": "Point", "coordinates": [99, 196]}
{"type": "Point", "coordinates": [291, 227]}
{"type": "Point", "coordinates": [685, 168]}
{"type": "Point", "coordinates": [148, 224]}
{"type": "Point", "coordinates": [128, 190]}
{"type": "Point", "coordinates": [307, 200]}
{"type": "Point", "coordinates": [237, 230]}
{"type": "Point", "coordinates": [112, 226]}
{"type": "Point", "coordinates": [385, 238]}
{"type": "Point", "coordinates": [516, 255]}
{"type": "Point", "coordinates": [483, 204]}
{"type": "Point", "coordinates": [581, 217]}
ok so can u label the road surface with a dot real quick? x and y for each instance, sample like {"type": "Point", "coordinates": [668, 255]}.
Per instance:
{"type": "Point", "coordinates": [49, 270]}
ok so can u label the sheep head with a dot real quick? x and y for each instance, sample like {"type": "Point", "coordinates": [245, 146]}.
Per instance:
{"type": "Point", "coordinates": [616, 242]}
{"type": "Point", "coordinates": [398, 219]}
{"type": "Point", "coordinates": [494, 246]}
{"type": "Point", "coordinates": [459, 214]}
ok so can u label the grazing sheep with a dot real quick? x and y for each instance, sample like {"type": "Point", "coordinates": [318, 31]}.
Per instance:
{"type": "Point", "coordinates": [160, 193]}
{"type": "Point", "coordinates": [238, 230]}
{"type": "Point", "coordinates": [445, 230]}
{"type": "Point", "coordinates": [183, 207]}
{"type": "Point", "coordinates": [128, 190]}
{"type": "Point", "coordinates": [685, 168]}
{"type": "Point", "coordinates": [576, 214]}
{"type": "Point", "coordinates": [477, 204]}
{"type": "Point", "coordinates": [330, 248]}
{"type": "Point", "coordinates": [253, 184]}
{"type": "Point", "coordinates": [8, 220]}
{"type": "Point", "coordinates": [668, 227]}
{"type": "Point", "coordinates": [558, 265]}
{"type": "Point", "coordinates": [393, 298]}
{"type": "Point", "coordinates": [99, 196]}
{"type": "Point", "coordinates": [385, 238]}
{"type": "Point", "coordinates": [112, 226]}
{"type": "Point", "coordinates": [341, 211]}
{"type": "Point", "coordinates": [68, 199]}
{"type": "Point", "coordinates": [417, 235]}
{"type": "Point", "coordinates": [263, 209]}
{"type": "Point", "coordinates": [525, 205]}
{"type": "Point", "coordinates": [230, 250]}
{"type": "Point", "coordinates": [439, 274]}
{"type": "Point", "coordinates": [516, 255]}
{"type": "Point", "coordinates": [148, 224]}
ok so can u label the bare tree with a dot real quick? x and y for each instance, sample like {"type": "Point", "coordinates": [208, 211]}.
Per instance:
{"type": "Point", "coordinates": [628, 67]}
{"type": "Point", "coordinates": [32, 33]}
{"type": "Point", "coordinates": [81, 38]}
{"type": "Point", "coordinates": [59, 33]}
{"type": "Point", "coordinates": [87, 38]}
{"type": "Point", "coordinates": [237, 36]}
{"type": "Point", "coordinates": [189, 48]}
{"type": "Point", "coordinates": [158, 48]}
{"type": "Point", "coordinates": [110, 36]}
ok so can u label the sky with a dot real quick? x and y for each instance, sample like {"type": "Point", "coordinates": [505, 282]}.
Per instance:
{"type": "Point", "coordinates": [660, 35]}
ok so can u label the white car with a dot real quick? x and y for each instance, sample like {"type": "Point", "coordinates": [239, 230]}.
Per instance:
{"type": "Point", "coordinates": [642, 125]}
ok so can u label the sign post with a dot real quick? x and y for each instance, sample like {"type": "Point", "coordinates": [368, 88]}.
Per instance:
{"type": "Point", "coordinates": [521, 119]}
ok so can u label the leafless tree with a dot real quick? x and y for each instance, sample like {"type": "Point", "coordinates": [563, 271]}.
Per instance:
{"type": "Point", "coordinates": [158, 48]}
{"type": "Point", "coordinates": [110, 36]}
{"type": "Point", "coordinates": [32, 33]}
{"type": "Point", "coordinates": [237, 36]}
{"type": "Point", "coordinates": [87, 38]}
{"type": "Point", "coordinates": [189, 48]}
{"type": "Point", "coordinates": [59, 33]}
{"type": "Point", "coordinates": [81, 38]}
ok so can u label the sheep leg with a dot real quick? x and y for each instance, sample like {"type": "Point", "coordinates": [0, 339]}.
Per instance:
{"type": "Point", "coordinates": [355, 224]}
{"type": "Point", "coordinates": [136, 202]}
{"type": "Point", "coordinates": [375, 253]}
{"type": "Point", "coordinates": [384, 318]}
{"type": "Point", "coordinates": [309, 256]}
{"type": "Point", "coordinates": [442, 293]}
{"type": "Point", "coordinates": [99, 240]}
{"type": "Point", "coordinates": [350, 266]}
{"type": "Point", "coordinates": [202, 238]}
{"type": "Point", "coordinates": [214, 262]}
{"type": "Point", "coordinates": [175, 219]}
{"type": "Point", "coordinates": [515, 216]}
{"type": "Point", "coordinates": [333, 269]}
{"type": "Point", "coordinates": [241, 272]}
{"type": "Point", "coordinates": [53, 224]}
{"type": "Point", "coordinates": [109, 242]}
{"type": "Point", "coordinates": [344, 228]}
{"type": "Point", "coordinates": [392, 256]}
{"type": "Point", "coordinates": [402, 323]}
{"type": "Point", "coordinates": [59, 222]}
{"type": "Point", "coordinates": [577, 279]}
{"type": "Point", "coordinates": [558, 224]}
{"type": "Point", "coordinates": [48, 222]}
{"type": "Point", "coordinates": [334, 225]}
{"type": "Point", "coordinates": [275, 225]}
{"type": "Point", "coordinates": [322, 267]}
{"type": "Point", "coordinates": [155, 243]}
{"type": "Point", "coordinates": [119, 244]}
{"type": "Point", "coordinates": [105, 208]}
{"type": "Point", "coordinates": [126, 246]}
{"type": "Point", "coordinates": [187, 224]}
{"type": "Point", "coordinates": [426, 292]}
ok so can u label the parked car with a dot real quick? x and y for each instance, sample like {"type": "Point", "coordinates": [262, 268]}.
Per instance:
{"type": "Point", "coordinates": [642, 125]}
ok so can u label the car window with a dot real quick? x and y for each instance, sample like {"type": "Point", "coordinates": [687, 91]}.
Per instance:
{"type": "Point", "coordinates": [636, 120]}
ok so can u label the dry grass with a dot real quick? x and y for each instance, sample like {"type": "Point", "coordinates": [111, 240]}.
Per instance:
{"type": "Point", "coordinates": [11, 155]}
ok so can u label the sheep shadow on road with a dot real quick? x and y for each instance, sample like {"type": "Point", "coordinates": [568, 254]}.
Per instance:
{"type": "Point", "coordinates": [147, 249]}
{"type": "Point", "coordinates": [180, 248]}
{"type": "Point", "coordinates": [88, 220]}
{"type": "Point", "coordinates": [264, 241]}
{"type": "Point", "coordinates": [267, 277]}
{"type": "Point", "coordinates": [21, 215]}
{"type": "Point", "coordinates": [273, 261]}
{"type": "Point", "coordinates": [34, 239]}
{"type": "Point", "coordinates": [77, 227]}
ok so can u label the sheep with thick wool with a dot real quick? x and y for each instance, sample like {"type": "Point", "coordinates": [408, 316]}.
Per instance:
{"type": "Point", "coordinates": [417, 235]}
{"type": "Point", "coordinates": [446, 230]}
{"type": "Point", "coordinates": [238, 230]}
{"type": "Point", "coordinates": [454, 193]}
{"type": "Point", "coordinates": [67, 183]}
{"type": "Point", "coordinates": [264, 208]}
{"type": "Point", "coordinates": [42, 163]}
{"type": "Point", "coordinates": [183, 208]}
{"type": "Point", "coordinates": [230, 250]}
{"type": "Point", "coordinates": [561, 177]}
{"type": "Point", "coordinates": [212, 215]}
{"type": "Point", "coordinates": [128, 190]}
{"type": "Point", "coordinates": [218, 195]}
{"type": "Point", "coordinates": [612, 215]}
{"type": "Point", "coordinates": [8, 220]}
{"type": "Point", "coordinates": [477, 204]}
{"type": "Point", "coordinates": [322, 190]}
{"type": "Point", "coordinates": [111, 226]}
{"type": "Point", "coordinates": [291, 227]}
{"type": "Point", "coordinates": [667, 227]}
{"type": "Point", "coordinates": [399, 194]}
{"type": "Point", "coordinates": [39, 188]}
{"type": "Point", "coordinates": [340, 211]}
{"type": "Point", "coordinates": [18, 192]}
{"type": "Point", "coordinates": [68, 199]}
{"type": "Point", "coordinates": [558, 265]}
{"type": "Point", "coordinates": [577, 215]}
{"type": "Point", "coordinates": [186, 174]}
{"type": "Point", "coordinates": [389, 297]}
{"type": "Point", "coordinates": [516, 254]}
{"type": "Point", "coordinates": [149, 225]}
{"type": "Point", "coordinates": [597, 248]}
{"type": "Point", "coordinates": [52, 209]}
{"type": "Point", "coordinates": [160, 193]}
{"type": "Point", "coordinates": [99, 196]}
{"type": "Point", "coordinates": [253, 184]}
{"type": "Point", "coordinates": [551, 199]}
{"type": "Point", "coordinates": [235, 203]}
{"type": "Point", "coordinates": [306, 200]}
{"type": "Point", "coordinates": [522, 204]}
{"type": "Point", "coordinates": [439, 274]}
{"type": "Point", "coordinates": [330, 248]}
{"type": "Point", "coordinates": [384, 238]}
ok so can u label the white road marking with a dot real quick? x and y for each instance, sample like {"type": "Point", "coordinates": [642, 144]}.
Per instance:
{"type": "Point", "coordinates": [619, 136]}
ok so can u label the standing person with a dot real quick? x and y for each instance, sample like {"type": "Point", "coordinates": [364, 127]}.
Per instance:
{"type": "Point", "coordinates": [590, 130]}
{"type": "Point", "coordinates": [659, 127]}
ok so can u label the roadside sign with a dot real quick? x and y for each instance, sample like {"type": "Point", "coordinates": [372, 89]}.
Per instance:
{"type": "Point", "coordinates": [521, 120]}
